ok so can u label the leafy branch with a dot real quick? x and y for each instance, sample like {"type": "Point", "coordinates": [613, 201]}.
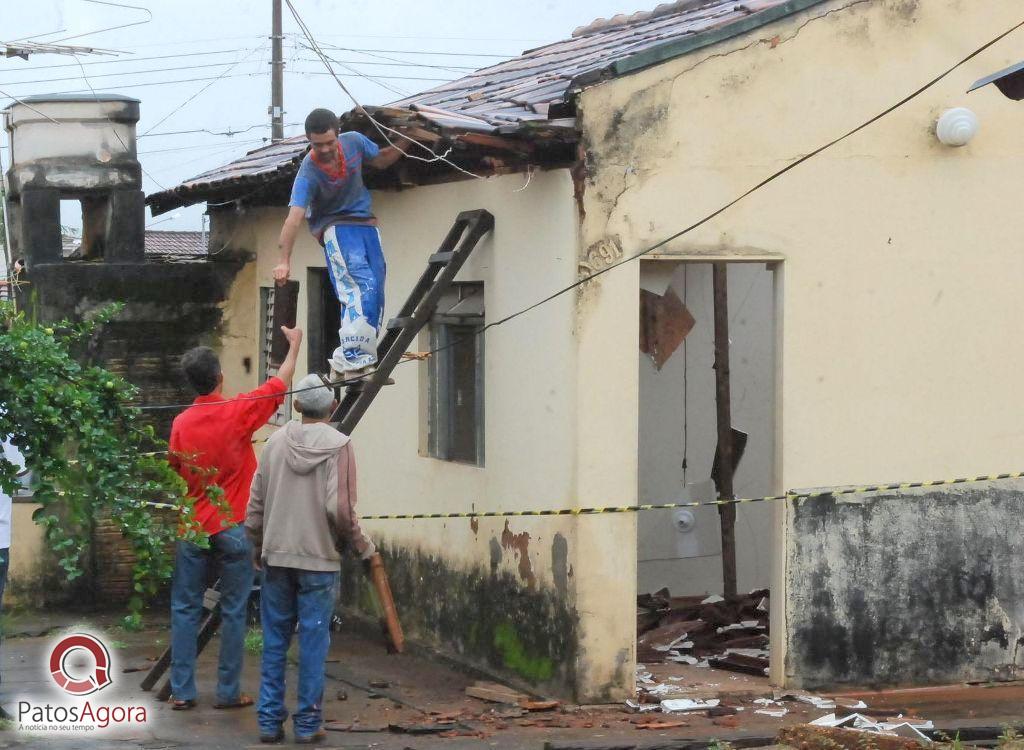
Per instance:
{"type": "Point", "coordinates": [89, 451]}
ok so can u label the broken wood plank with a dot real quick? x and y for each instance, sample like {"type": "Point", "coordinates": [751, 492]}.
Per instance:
{"type": "Point", "coordinates": [539, 705]}
{"type": "Point", "coordinates": [496, 142]}
{"type": "Point", "coordinates": [496, 693]}
{"type": "Point", "coordinates": [744, 664]}
{"type": "Point", "coordinates": [727, 513]}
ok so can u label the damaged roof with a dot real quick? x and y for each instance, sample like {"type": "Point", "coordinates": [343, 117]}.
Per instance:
{"type": "Point", "coordinates": [164, 244]}
{"type": "Point", "coordinates": [506, 116]}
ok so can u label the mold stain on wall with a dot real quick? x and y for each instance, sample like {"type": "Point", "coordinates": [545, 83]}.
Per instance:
{"type": "Point", "coordinates": [482, 615]}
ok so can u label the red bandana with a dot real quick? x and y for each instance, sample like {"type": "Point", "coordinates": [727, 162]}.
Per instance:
{"type": "Point", "coordinates": [334, 171]}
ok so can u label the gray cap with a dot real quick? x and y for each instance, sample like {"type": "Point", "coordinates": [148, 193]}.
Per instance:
{"type": "Point", "coordinates": [313, 398]}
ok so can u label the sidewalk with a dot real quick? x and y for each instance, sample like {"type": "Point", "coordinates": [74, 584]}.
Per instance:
{"type": "Point", "coordinates": [371, 694]}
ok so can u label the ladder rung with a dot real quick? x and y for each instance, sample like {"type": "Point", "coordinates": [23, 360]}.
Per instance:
{"type": "Point", "coordinates": [440, 258]}
{"type": "Point", "coordinates": [397, 324]}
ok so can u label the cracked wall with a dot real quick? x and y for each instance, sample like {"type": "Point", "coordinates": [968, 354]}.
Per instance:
{"type": "Point", "coordinates": [949, 607]}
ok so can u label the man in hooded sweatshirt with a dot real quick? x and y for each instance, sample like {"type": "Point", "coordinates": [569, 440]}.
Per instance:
{"type": "Point", "coordinates": [301, 515]}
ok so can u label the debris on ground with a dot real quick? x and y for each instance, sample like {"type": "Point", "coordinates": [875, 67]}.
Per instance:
{"type": "Point", "coordinates": [656, 725]}
{"type": "Point", "coordinates": [899, 727]}
{"type": "Point", "coordinates": [810, 737]}
{"type": "Point", "coordinates": [706, 631]}
{"type": "Point", "coordinates": [680, 705]}
{"type": "Point", "coordinates": [426, 728]}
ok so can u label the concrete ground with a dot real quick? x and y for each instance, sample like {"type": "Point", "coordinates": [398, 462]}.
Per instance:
{"type": "Point", "coordinates": [376, 700]}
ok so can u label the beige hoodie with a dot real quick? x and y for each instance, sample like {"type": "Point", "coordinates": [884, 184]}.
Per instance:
{"type": "Point", "coordinates": [301, 510]}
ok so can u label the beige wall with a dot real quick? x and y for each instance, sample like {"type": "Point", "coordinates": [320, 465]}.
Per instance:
{"type": "Point", "coordinates": [28, 549]}
{"type": "Point", "coordinates": [547, 446]}
{"type": "Point", "coordinates": [902, 256]}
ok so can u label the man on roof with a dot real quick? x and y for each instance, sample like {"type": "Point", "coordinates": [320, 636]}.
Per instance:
{"type": "Point", "coordinates": [329, 193]}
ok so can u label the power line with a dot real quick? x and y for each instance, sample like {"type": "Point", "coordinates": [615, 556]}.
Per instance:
{"type": "Point", "coordinates": [229, 132]}
{"type": "Point", "coordinates": [121, 73]}
{"type": "Point", "coordinates": [420, 52]}
{"type": "Point", "coordinates": [147, 11]}
{"type": "Point", "coordinates": [382, 129]}
{"type": "Point", "coordinates": [204, 145]}
{"type": "Point", "coordinates": [113, 130]}
{"type": "Point", "coordinates": [190, 99]}
{"type": "Point", "coordinates": [709, 217]}
{"type": "Point", "coordinates": [158, 83]}
{"type": "Point", "coordinates": [394, 61]}
{"type": "Point", "coordinates": [121, 61]}
{"type": "Point", "coordinates": [232, 75]}
{"type": "Point", "coordinates": [363, 75]}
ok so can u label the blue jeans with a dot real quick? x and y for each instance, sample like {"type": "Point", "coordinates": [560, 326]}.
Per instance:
{"type": "Point", "coordinates": [356, 264]}
{"type": "Point", "coordinates": [231, 551]}
{"type": "Point", "coordinates": [289, 596]}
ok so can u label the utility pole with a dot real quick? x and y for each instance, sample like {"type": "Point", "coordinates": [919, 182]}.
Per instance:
{"type": "Point", "coordinates": [277, 78]}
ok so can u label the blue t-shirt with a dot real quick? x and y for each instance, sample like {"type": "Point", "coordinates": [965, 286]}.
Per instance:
{"type": "Point", "coordinates": [328, 201]}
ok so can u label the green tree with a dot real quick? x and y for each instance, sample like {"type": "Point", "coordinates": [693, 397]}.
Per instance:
{"type": "Point", "coordinates": [89, 450]}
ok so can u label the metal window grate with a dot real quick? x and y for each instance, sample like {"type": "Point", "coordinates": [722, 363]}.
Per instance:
{"type": "Point", "coordinates": [455, 390]}
{"type": "Point", "coordinates": [284, 412]}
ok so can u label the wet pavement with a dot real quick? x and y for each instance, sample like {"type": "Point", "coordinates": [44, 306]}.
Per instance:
{"type": "Point", "coordinates": [371, 696]}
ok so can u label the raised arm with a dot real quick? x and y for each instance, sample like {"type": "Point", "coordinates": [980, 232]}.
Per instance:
{"type": "Point", "coordinates": [287, 370]}
{"type": "Point", "coordinates": [391, 154]}
{"type": "Point", "coordinates": [286, 242]}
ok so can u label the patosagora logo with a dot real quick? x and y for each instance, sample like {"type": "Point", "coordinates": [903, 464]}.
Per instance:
{"type": "Point", "coordinates": [80, 665]}
{"type": "Point", "coordinates": [97, 679]}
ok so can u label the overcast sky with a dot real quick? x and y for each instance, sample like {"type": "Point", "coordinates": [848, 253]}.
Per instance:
{"type": "Point", "coordinates": [204, 39]}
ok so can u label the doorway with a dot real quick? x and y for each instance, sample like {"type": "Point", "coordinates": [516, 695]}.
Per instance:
{"type": "Point", "coordinates": [681, 549]}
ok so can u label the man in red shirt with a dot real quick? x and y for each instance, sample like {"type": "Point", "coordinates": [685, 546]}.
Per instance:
{"type": "Point", "coordinates": [211, 445]}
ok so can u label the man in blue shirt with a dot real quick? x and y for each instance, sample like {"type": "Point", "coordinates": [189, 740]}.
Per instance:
{"type": "Point", "coordinates": [329, 193]}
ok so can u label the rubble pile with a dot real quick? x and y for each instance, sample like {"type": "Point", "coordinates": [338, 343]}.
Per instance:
{"type": "Point", "coordinates": [705, 631]}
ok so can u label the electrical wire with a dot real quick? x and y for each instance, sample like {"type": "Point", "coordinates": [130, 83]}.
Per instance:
{"type": "Point", "coordinates": [25, 104]}
{"type": "Point", "coordinates": [248, 141]}
{"type": "Point", "coordinates": [230, 132]}
{"type": "Point", "coordinates": [122, 73]}
{"type": "Point", "coordinates": [232, 75]}
{"type": "Point", "coordinates": [159, 83]}
{"type": "Point", "coordinates": [419, 52]}
{"type": "Point", "coordinates": [33, 68]}
{"type": "Point", "coordinates": [392, 89]}
{"type": "Point", "coordinates": [364, 75]}
{"type": "Point", "coordinates": [709, 217]}
{"type": "Point", "coordinates": [460, 69]}
{"type": "Point", "coordinates": [382, 129]}
{"type": "Point", "coordinates": [117, 135]}
{"type": "Point", "coordinates": [109, 28]}
{"type": "Point", "coordinates": [192, 98]}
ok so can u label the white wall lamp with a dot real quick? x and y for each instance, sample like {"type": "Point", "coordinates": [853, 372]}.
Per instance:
{"type": "Point", "coordinates": [957, 126]}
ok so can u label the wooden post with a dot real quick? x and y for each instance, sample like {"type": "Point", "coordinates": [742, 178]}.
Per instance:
{"type": "Point", "coordinates": [727, 513]}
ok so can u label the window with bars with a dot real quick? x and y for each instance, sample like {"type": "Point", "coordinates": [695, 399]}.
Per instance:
{"type": "Point", "coordinates": [284, 412]}
{"type": "Point", "coordinates": [455, 383]}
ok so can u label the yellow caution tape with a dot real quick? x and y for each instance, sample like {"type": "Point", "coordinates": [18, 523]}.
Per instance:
{"type": "Point", "coordinates": [665, 506]}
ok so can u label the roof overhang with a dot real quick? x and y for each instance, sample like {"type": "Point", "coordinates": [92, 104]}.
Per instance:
{"type": "Point", "coordinates": [453, 145]}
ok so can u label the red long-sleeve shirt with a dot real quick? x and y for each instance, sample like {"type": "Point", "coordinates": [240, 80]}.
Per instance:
{"type": "Point", "coordinates": [211, 444]}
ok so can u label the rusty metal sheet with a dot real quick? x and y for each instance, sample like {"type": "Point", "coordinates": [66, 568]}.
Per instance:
{"type": "Point", "coordinates": [665, 323]}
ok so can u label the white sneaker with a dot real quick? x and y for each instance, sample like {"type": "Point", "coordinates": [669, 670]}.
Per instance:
{"type": "Point", "coordinates": [354, 377]}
